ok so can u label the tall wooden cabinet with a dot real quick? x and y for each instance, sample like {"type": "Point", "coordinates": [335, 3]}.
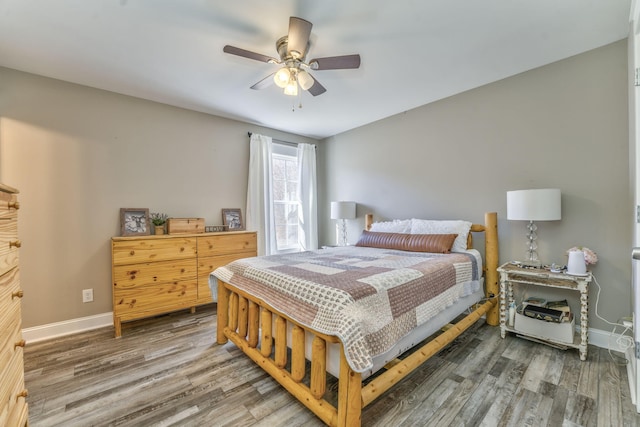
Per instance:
{"type": "Point", "coordinates": [158, 274]}
{"type": "Point", "coordinates": [13, 403]}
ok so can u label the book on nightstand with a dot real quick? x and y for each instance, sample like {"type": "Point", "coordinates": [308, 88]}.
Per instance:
{"type": "Point", "coordinates": [546, 314]}
{"type": "Point", "coordinates": [561, 305]}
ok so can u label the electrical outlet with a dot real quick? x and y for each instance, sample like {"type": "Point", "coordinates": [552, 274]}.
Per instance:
{"type": "Point", "coordinates": [87, 295]}
{"type": "Point", "coordinates": [627, 322]}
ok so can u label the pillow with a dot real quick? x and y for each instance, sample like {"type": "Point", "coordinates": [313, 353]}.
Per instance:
{"type": "Point", "coordinates": [461, 228]}
{"type": "Point", "coordinates": [395, 226]}
{"type": "Point", "coordinates": [434, 243]}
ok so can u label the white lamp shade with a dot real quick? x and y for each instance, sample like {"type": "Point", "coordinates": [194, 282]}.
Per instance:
{"type": "Point", "coordinates": [534, 205]}
{"type": "Point", "coordinates": [343, 210]}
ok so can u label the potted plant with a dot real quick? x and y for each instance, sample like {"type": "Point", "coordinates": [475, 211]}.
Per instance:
{"type": "Point", "coordinates": [158, 220]}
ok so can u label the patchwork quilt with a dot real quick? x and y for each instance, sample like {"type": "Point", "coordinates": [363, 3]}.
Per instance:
{"type": "Point", "coordinates": [369, 298]}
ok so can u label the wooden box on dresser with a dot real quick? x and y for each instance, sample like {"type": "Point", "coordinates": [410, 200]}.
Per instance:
{"type": "Point", "coordinates": [13, 403]}
{"type": "Point", "coordinates": [158, 274]}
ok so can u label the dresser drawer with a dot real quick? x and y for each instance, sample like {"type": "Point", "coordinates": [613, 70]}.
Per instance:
{"type": "Point", "coordinates": [10, 345]}
{"type": "Point", "coordinates": [9, 245]}
{"type": "Point", "coordinates": [12, 384]}
{"type": "Point", "coordinates": [131, 251]}
{"type": "Point", "coordinates": [8, 205]}
{"type": "Point", "coordinates": [207, 265]}
{"type": "Point", "coordinates": [19, 416]}
{"type": "Point", "coordinates": [135, 275]}
{"type": "Point", "coordinates": [154, 299]}
{"type": "Point", "coordinates": [9, 298]}
{"type": "Point", "coordinates": [223, 244]}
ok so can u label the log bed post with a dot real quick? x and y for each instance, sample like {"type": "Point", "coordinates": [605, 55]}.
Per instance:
{"type": "Point", "coordinates": [491, 264]}
{"type": "Point", "coordinates": [222, 312]}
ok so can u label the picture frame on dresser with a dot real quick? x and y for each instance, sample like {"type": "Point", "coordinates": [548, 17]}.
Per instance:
{"type": "Point", "coordinates": [232, 219]}
{"type": "Point", "coordinates": [134, 222]}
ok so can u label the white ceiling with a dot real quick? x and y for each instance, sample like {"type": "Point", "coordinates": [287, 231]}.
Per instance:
{"type": "Point", "coordinates": [413, 51]}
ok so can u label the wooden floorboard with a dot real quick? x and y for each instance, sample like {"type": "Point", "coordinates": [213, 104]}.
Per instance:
{"type": "Point", "coordinates": [169, 371]}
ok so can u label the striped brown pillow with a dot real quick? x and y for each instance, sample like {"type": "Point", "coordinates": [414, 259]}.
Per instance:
{"type": "Point", "coordinates": [434, 243]}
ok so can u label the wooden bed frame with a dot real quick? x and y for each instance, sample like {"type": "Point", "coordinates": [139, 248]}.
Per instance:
{"type": "Point", "coordinates": [248, 323]}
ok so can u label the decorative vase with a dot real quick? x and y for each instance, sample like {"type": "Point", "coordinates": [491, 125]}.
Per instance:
{"type": "Point", "coordinates": [576, 264]}
{"type": "Point", "coordinates": [159, 229]}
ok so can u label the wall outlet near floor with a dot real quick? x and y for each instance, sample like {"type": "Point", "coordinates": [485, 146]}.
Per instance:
{"type": "Point", "coordinates": [87, 295]}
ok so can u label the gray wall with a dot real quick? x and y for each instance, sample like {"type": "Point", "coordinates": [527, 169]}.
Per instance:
{"type": "Point", "coordinates": [78, 155]}
{"type": "Point", "coordinates": [563, 125]}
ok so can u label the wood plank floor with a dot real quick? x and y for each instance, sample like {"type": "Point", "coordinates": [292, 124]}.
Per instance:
{"type": "Point", "coordinates": [168, 371]}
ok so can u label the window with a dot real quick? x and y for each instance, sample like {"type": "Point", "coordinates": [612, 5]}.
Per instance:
{"type": "Point", "coordinates": [285, 197]}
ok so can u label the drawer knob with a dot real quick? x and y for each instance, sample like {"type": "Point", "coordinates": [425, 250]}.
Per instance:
{"type": "Point", "coordinates": [24, 393]}
{"type": "Point", "coordinates": [15, 243]}
{"type": "Point", "coordinates": [18, 294]}
{"type": "Point", "coordinates": [20, 343]}
{"type": "Point", "coordinates": [15, 205]}
{"type": "Point", "coordinates": [132, 253]}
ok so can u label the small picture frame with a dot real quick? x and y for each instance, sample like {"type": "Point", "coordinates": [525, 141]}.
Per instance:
{"type": "Point", "coordinates": [134, 222]}
{"type": "Point", "coordinates": [232, 219]}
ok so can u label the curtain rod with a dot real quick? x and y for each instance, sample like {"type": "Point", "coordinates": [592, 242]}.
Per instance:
{"type": "Point", "coordinates": [279, 141]}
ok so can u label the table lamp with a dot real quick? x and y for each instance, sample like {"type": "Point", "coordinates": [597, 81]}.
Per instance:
{"type": "Point", "coordinates": [533, 205]}
{"type": "Point", "coordinates": [342, 211]}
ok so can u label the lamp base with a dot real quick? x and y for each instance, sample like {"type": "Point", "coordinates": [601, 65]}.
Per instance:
{"type": "Point", "coordinates": [343, 233]}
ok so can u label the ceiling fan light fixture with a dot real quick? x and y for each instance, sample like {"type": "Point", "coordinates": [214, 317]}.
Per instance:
{"type": "Point", "coordinates": [292, 88]}
{"type": "Point", "coordinates": [305, 79]}
{"type": "Point", "coordinates": [292, 51]}
{"type": "Point", "coordinates": [282, 77]}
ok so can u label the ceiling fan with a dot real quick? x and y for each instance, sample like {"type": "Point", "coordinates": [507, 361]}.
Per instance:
{"type": "Point", "coordinates": [292, 50]}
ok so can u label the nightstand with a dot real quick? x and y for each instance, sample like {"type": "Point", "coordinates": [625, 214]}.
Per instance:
{"type": "Point", "coordinates": [512, 275]}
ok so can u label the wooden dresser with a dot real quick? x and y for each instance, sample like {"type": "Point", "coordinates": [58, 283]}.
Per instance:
{"type": "Point", "coordinates": [13, 403]}
{"type": "Point", "coordinates": [158, 274]}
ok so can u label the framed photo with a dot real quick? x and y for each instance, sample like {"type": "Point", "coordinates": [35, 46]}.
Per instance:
{"type": "Point", "coordinates": [134, 222]}
{"type": "Point", "coordinates": [232, 219]}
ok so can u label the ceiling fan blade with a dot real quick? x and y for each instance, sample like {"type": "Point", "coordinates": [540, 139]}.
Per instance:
{"type": "Point", "coordinates": [248, 54]}
{"type": "Point", "coordinates": [298, 40]}
{"type": "Point", "coordinates": [316, 89]}
{"type": "Point", "coordinates": [335, 62]}
{"type": "Point", "coordinates": [266, 82]}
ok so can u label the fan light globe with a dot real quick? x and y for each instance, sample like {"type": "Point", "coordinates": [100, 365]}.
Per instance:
{"type": "Point", "coordinates": [291, 88]}
{"type": "Point", "coordinates": [281, 77]}
{"type": "Point", "coordinates": [305, 79]}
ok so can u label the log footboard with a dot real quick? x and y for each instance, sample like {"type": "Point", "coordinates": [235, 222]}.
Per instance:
{"type": "Point", "coordinates": [248, 323]}
{"type": "Point", "coordinates": [270, 353]}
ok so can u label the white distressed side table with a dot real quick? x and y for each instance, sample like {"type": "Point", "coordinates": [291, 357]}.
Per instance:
{"type": "Point", "coordinates": [511, 275]}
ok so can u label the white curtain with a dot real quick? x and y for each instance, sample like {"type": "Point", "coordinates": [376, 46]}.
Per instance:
{"type": "Point", "coordinates": [259, 207]}
{"type": "Point", "coordinates": [308, 209]}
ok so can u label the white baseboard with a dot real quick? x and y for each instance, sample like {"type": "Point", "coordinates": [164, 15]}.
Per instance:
{"type": "Point", "coordinates": [608, 340]}
{"type": "Point", "coordinates": [67, 327]}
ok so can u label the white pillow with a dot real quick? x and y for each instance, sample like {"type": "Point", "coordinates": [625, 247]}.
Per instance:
{"type": "Point", "coordinates": [428, 226]}
{"type": "Point", "coordinates": [395, 226]}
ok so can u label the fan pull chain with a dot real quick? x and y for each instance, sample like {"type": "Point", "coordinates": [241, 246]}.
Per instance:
{"type": "Point", "coordinates": [293, 103]}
